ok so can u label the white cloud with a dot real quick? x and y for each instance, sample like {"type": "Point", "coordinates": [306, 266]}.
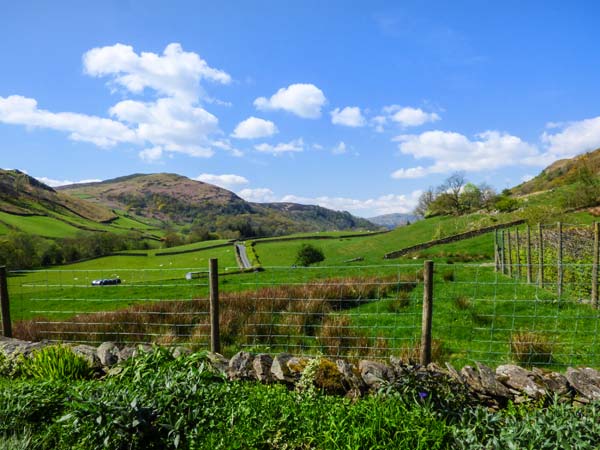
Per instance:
{"type": "Point", "coordinates": [303, 100]}
{"type": "Point", "coordinates": [224, 144]}
{"type": "Point", "coordinates": [260, 195]}
{"type": "Point", "coordinates": [253, 128]}
{"type": "Point", "coordinates": [18, 110]}
{"type": "Point", "coordinates": [296, 145]}
{"type": "Point", "coordinates": [174, 122]}
{"type": "Point", "coordinates": [174, 125]}
{"type": "Point", "coordinates": [378, 122]}
{"type": "Point", "coordinates": [226, 181]}
{"type": "Point", "coordinates": [339, 149]}
{"type": "Point", "coordinates": [408, 116]}
{"type": "Point", "coordinates": [151, 155]}
{"type": "Point", "coordinates": [573, 138]}
{"type": "Point", "coordinates": [455, 152]}
{"type": "Point", "coordinates": [385, 204]}
{"type": "Point", "coordinates": [350, 116]}
{"type": "Point", "coordinates": [175, 73]}
{"type": "Point", "coordinates": [55, 183]}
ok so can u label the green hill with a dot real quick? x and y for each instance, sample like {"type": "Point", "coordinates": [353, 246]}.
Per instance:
{"type": "Point", "coordinates": [181, 201]}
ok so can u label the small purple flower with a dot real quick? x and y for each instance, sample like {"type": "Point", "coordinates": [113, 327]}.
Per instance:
{"type": "Point", "coordinates": [422, 395]}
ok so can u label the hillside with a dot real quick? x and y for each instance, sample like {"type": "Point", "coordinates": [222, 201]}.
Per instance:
{"type": "Point", "coordinates": [182, 201]}
{"type": "Point", "coordinates": [562, 172]}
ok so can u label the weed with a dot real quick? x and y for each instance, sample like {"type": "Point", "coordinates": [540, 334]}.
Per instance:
{"type": "Point", "coordinates": [462, 302]}
{"type": "Point", "coordinates": [530, 348]}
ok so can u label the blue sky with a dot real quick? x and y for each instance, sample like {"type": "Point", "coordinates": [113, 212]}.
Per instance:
{"type": "Point", "coordinates": [356, 106]}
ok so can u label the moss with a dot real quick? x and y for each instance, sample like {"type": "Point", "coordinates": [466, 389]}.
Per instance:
{"type": "Point", "coordinates": [328, 378]}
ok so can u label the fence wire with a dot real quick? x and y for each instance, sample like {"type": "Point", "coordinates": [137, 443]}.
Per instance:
{"type": "Point", "coordinates": [479, 313]}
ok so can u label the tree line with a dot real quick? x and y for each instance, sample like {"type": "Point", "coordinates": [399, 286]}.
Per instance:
{"type": "Point", "coordinates": [457, 196]}
{"type": "Point", "coordinates": [25, 251]}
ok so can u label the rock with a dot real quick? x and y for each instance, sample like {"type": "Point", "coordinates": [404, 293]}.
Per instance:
{"type": "Point", "coordinates": [375, 374]}
{"type": "Point", "coordinates": [262, 367]}
{"type": "Point", "coordinates": [14, 347]}
{"type": "Point", "coordinates": [142, 348]}
{"type": "Point", "coordinates": [555, 382]}
{"type": "Point", "coordinates": [89, 353]}
{"type": "Point", "coordinates": [483, 381]}
{"type": "Point", "coordinates": [241, 367]}
{"type": "Point", "coordinates": [126, 352]}
{"type": "Point", "coordinates": [108, 353]}
{"type": "Point", "coordinates": [179, 351]}
{"type": "Point", "coordinates": [328, 378]}
{"type": "Point", "coordinates": [351, 378]}
{"type": "Point", "coordinates": [522, 380]}
{"type": "Point", "coordinates": [454, 374]}
{"type": "Point", "coordinates": [399, 367]}
{"type": "Point", "coordinates": [218, 362]}
{"type": "Point", "coordinates": [280, 370]}
{"type": "Point", "coordinates": [585, 382]}
{"type": "Point", "coordinates": [297, 364]}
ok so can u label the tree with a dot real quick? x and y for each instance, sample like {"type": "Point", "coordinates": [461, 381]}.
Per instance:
{"type": "Point", "coordinates": [453, 187]}
{"type": "Point", "coordinates": [309, 254]}
{"type": "Point", "coordinates": [424, 202]}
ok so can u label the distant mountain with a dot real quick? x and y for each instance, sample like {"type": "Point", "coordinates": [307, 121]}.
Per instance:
{"type": "Point", "coordinates": [182, 201]}
{"type": "Point", "coordinates": [392, 221]}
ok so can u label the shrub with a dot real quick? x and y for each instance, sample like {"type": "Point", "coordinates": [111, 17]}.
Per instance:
{"type": "Point", "coordinates": [56, 363]}
{"type": "Point", "coordinates": [530, 348]}
{"type": "Point", "coordinates": [309, 254]}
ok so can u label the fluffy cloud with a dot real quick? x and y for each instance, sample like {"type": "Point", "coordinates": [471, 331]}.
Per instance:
{"type": "Point", "coordinates": [175, 73]}
{"type": "Point", "coordinates": [260, 195]}
{"type": "Point", "coordinates": [151, 155]}
{"type": "Point", "coordinates": [18, 110]}
{"type": "Point", "coordinates": [303, 100]}
{"type": "Point", "coordinates": [174, 122]}
{"type": "Point", "coordinates": [225, 180]}
{"type": "Point", "coordinates": [454, 152]}
{"type": "Point", "coordinates": [296, 145]}
{"type": "Point", "coordinates": [174, 125]}
{"type": "Point", "coordinates": [55, 183]}
{"type": "Point", "coordinates": [385, 204]}
{"type": "Point", "coordinates": [253, 128]}
{"type": "Point", "coordinates": [573, 138]}
{"type": "Point", "coordinates": [350, 116]}
{"type": "Point", "coordinates": [409, 117]}
{"type": "Point", "coordinates": [339, 149]}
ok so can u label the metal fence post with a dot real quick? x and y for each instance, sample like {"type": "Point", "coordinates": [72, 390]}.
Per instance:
{"type": "Point", "coordinates": [502, 254]}
{"type": "Point", "coordinates": [425, 356]}
{"type": "Point", "coordinates": [496, 251]}
{"type": "Point", "coordinates": [5, 304]}
{"type": "Point", "coordinates": [518, 250]}
{"type": "Point", "coordinates": [215, 343]}
{"type": "Point", "coordinates": [509, 248]}
{"type": "Point", "coordinates": [595, 265]}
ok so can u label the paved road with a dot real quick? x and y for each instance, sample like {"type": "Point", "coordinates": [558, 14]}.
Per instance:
{"type": "Point", "coordinates": [241, 250]}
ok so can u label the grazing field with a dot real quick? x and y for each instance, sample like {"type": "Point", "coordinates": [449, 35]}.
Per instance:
{"type": "Point", "coordinates": [39, 225]}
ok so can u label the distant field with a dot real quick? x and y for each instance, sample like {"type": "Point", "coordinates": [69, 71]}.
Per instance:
{"type": "Point", "coordinates": [193, 246]}
{"type": "Point", "coordinates": [39, 225]}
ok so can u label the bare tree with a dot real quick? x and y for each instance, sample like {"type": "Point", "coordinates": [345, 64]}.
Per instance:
{"type": "Point", "coordinates": [425, 200]}
{"type": "Point", "coordinates": [452, 187]}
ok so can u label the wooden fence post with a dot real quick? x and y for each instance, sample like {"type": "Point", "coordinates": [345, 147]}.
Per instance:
{"type": "Point", "coordinates": [425, 356]}
{"type": "Point", "coordinates": [528, 262]}
{"type": "Point", "coordinates": [502, 253]}
{"type": "Point", "coordinates": [559, 261]}
{"type": "Point", "coordinates": [496, 251]}
{"type": "Point", "coordinates": [215, 342]}
{"type": "Point", "coordinates": [595, 264]}
{"type": "Point", "coordinates": [540, 256]}
{"type": "Point", "coordinates": [518, 250]}
{"type": "Point", "coordinates": [509, 249]}
{"type": "Point", "coordinates": [5, 304]}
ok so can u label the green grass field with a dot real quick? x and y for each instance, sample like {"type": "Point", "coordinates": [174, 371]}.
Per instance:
{"type": "Point", "coordinates": [39, 225]}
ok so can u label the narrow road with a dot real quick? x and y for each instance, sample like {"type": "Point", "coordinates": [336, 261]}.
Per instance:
{"type": "Point", "coordinates": [241, 251]}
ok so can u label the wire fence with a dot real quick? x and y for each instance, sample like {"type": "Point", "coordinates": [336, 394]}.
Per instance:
{"type": "Point", "coordinates": [479, 313]}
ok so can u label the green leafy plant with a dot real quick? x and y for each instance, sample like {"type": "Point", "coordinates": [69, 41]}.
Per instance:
{"type": "Point", "coordinates": [56, 362]}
